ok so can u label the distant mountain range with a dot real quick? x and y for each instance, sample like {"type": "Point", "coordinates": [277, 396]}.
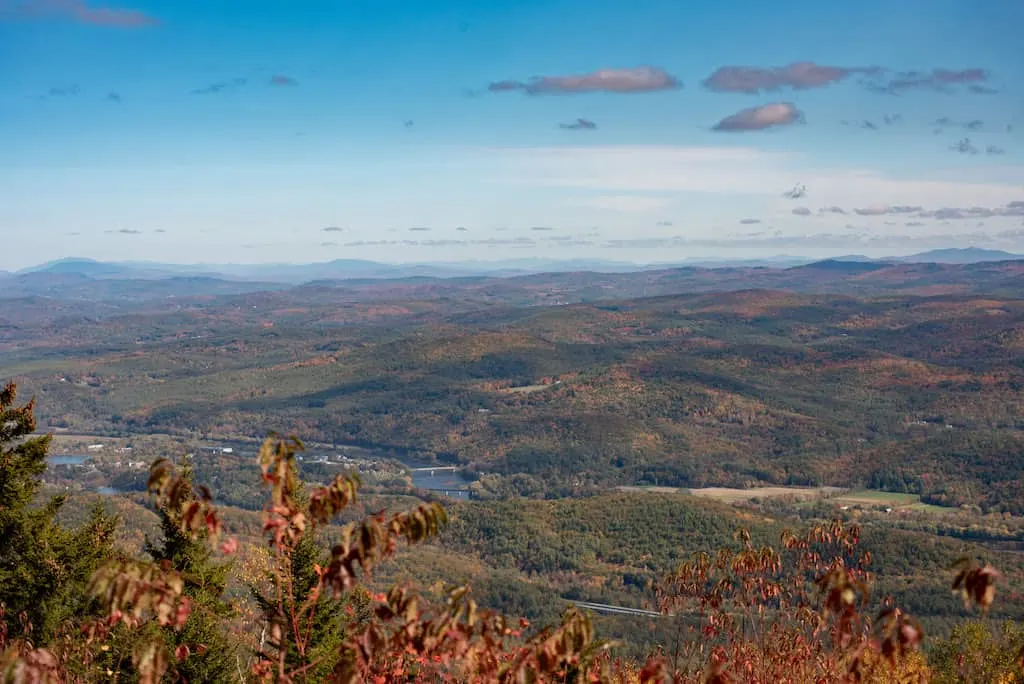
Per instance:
{"type": "Point", "coordinates": [344, 269]}
{"type": "Point", "coordinates": [72, 284]}
{"type": "Point", "coordinates": [969, 255]}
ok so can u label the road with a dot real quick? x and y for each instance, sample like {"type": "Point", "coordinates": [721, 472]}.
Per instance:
{"type": "Point", "coordinates": [616, 610]}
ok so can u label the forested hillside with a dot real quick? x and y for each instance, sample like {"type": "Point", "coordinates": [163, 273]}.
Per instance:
{"type": "Point", "coordinates": [188, 604]}
{"type": "Point", "coordinates": [727, 389]}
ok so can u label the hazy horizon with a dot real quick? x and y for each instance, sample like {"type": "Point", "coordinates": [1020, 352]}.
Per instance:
{"type": "Point", "coordinates": [496, 263]}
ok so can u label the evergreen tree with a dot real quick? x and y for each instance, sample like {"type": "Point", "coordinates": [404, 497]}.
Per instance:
{"type": "Point", "coordinates": [43, 568]}
{"type": "Point", "coordinates": [213, 653]}
{"type": "Point", "coordinates": [295, 577]}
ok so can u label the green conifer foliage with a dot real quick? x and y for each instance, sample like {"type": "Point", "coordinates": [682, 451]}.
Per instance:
{"type": "Point", "coordinates": [43, 568]}
{"type": "Point", "coordinates": [213, 653]}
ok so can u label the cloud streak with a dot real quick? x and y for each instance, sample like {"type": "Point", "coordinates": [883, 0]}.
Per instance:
{"type": "Point", "coordinates": [489, 242]}
{"type": "Point", "coordinates": [68, 91]}
{"type": "Point", "coordinates": [754, 80]}
{"type": "Point", "coordinates": [760, 118]}
{"type": "Point", "coordinates": [643, 79]}
{"type": "Point", "coordinates": [942, 80]}
{"type": "Point", "coordinates": [972, 125]}
{"type": "Point", "coordinates": [221, 87]}
{"type": "Point", "coordinates": [1009, 210]}
{"type": "Point", "coordinates": [281, 80]}
{"type": "Point", "coordinates": [82, 12]}
{"type": "Point", "coordinates": [579, 125]}
{"type": "Point", "coordinates": [779, 240]}
{"type": "Point", "coordinates": [796, 76]}
{"type": "Point", "coordinates": [965, 147]}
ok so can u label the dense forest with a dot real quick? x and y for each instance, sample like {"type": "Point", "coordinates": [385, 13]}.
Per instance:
{"type": "Point", "coordinates": [898, 393]}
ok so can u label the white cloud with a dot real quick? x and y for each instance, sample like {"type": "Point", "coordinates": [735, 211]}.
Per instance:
{"type": "Point", "coordinates": [741, 171]}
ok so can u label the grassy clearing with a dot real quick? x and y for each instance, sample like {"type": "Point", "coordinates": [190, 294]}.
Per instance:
{"type": "Point", "coordinates": [866, 498]}
{"type": "Point", "coordinates": [732, 495]}
{"type": "Point", "coordinates": [729, 494]}
{"type": "Point", "coordinates": [894, 500]}
{"type": "Point", "coordinates": [525, 389]}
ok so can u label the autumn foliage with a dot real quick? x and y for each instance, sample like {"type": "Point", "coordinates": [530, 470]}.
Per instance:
{"type": "Point", "coordinates": [796, 612]}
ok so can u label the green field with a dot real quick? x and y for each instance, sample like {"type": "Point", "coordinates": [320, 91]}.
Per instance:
{"type": "Point", "coordinates": [894, 500]}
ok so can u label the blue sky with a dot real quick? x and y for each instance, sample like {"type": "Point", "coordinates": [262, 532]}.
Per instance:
{"type": "Point", "coordinates": [417, 130]}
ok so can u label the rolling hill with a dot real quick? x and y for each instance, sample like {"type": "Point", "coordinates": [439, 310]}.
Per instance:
{"type": "Point", "coordinates": [732, 388]}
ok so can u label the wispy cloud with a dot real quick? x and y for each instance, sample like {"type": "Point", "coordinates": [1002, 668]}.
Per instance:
{"type": "Point", "coordinates": [994, 149]}
{"type": "Point", "coordinates": [964, 147]}
{"type": "Point", "coordinates": [489, 242]}
{"type": "Point", "coordinates": [796, 192]}
{"type": "Point", "coordinates": [972, 125]}
{"type": "Point", "coordinates": [738, 171]}
{"type": "Point", "coordinates": [1013, 209]}
{"type": "Point", "coordinates": [663, 224]}
{"type": "Point", "coordinates": [579, 125]}
{"type": "Point", "coordinates": [798, 76]}
{"type": "Point", "coordinates": [63, 91]}
{"type": "Point", "coordinates": [282, 80]}
{"type": "Point", "coordinates": [636, 80]}
{"type": "Point", "coordinates": [760, 118]}
{"type": "Point", "coordinates": [78, 11]}
{"type": "Point", "coordinates": [780, 240]}
{"type": "Point", "coordinates": [1010, 209]}
{"type": "Point", "coordinates": [982, 90]}
{"type": "Point", "coordinates": [114, 97]}
{"type": "Point", "coordinates": [221, 87]}
{"type": "Point", "coordinates": [945, 80]}
{"type": "Point", "coordinates": [801, 211]}
{"type": "Point", "coordinates": [884, 210]}
{"type": "Point", "coordinates": [806, 75]}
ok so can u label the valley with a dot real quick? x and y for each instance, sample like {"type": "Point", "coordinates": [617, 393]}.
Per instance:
{"type": "Point", "coordinates": [585, 438]}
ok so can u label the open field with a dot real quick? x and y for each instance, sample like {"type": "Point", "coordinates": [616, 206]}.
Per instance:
{"type": "Point", "coordinates": [838, 495]}
{"type": "Point", "coordinates": [894, 500]}
{"type": "Point", "coordinates": [732, 495]}
{"type": "Point", "coordinates": [735, 494]}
